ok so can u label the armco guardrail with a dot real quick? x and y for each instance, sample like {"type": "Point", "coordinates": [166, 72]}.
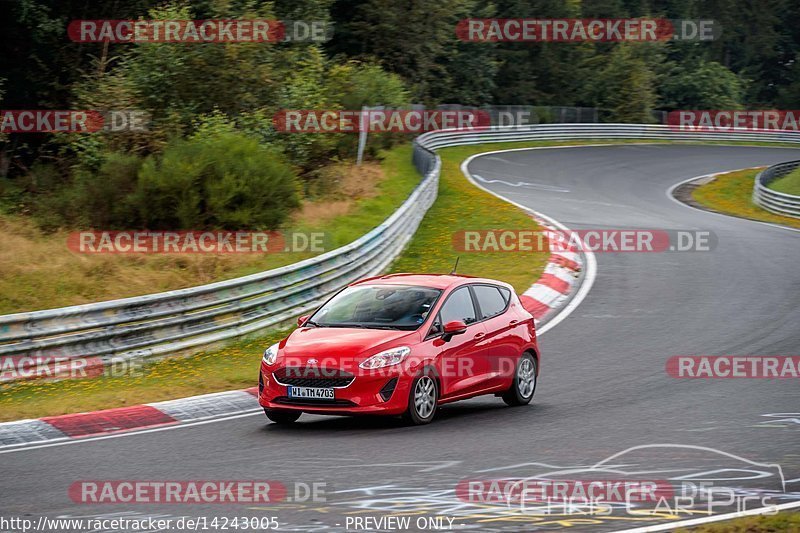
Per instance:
{"type": "Point", "coordinates": [188, 319]}
{"type": "Point", "coordinates": [566, 132]}
{"type": "Point", "coordinates": [777, 202]}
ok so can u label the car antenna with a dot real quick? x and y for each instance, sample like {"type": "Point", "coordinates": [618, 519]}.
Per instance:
{"type": "Point", "coordinates": [455, 267]}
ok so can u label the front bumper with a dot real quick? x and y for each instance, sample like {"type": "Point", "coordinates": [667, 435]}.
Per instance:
{"type": "Point", "coordinates": [361, 396]}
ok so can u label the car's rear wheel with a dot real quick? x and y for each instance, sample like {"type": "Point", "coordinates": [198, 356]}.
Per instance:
{"type": "Point", "coordinates": [282, 417]}
{"type": "Point", "coordinates": [524, 385]}
{"type": "Point", "coordinates": [423, 399]}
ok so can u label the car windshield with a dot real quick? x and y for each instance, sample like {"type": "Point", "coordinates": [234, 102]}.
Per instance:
{"type": "Point", "coordinates": [402, 307]}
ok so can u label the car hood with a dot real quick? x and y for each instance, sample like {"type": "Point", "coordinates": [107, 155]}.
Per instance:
{"type": "Point", "coordinates": [344, 343]}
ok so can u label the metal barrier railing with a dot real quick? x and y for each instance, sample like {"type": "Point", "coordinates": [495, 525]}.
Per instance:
{"type": "Point", "coordinates": [779, 203]}
{"type": "Point", "coordinates": [190, 319]}
{"type": "Point", "coordinates": [555, 132]}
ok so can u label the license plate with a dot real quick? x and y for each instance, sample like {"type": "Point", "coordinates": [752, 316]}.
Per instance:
{"type": "Point", "coordinates": [313, 393]}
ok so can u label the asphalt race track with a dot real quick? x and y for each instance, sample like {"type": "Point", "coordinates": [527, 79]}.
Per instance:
{"type": "Point", "coordinates": [603, 387]}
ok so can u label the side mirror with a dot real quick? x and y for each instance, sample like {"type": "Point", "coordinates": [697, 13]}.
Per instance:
{"type": "Point", "coordinates": [302, 320]}
{"type": "Point", "coordinates": [454, 327]}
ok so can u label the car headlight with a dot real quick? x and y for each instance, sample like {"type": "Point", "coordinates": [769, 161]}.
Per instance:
{"type": "Point", "coordinates": [386, 358]}
{"type": "Point", "coordinates": [270, 354]}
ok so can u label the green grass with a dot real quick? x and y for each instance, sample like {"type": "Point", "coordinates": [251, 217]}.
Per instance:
{"type": "Point", "coordinates": [459, 206]}
{"type": "Point", "coordinates": [789, 184]}
{"type": "Point", "coordinates": [462, 206]}
{"type": "Point", "coordinates": [400, 179]}
{"type": "Point", "coordinates": [234, 367]}
{"type": "Point", "coordinates": [781, 522]}
{"type": "Point", "coordinates": [40, 272]}
{"type": "Point", "coordinates": [731, 193]}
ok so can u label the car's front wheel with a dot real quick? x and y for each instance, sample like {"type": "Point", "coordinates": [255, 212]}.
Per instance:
{"type": "Point", "coordinates": [524, 385]}
{"type": "Point", "coordinates": [282, 417]}
{"type": "Point", "coordinates": [423, 400]}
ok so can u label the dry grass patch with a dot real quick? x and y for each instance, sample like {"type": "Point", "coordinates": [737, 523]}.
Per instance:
{"type": "Point", "coordinates": [40, 272]}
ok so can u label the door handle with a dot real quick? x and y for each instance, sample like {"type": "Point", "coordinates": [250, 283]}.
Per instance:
{"type": "Point", "coordinates": [513, 323]}
{"type": "Point", "coordinates": [479, 335]}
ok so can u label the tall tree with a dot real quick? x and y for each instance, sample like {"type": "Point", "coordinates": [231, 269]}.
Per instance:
{"type": "Point", "coordinates": [624, 88]}
{"type": "Point", "coordinates": [700, 85]}
{"type": "Point", "coordinates": [414, 39]}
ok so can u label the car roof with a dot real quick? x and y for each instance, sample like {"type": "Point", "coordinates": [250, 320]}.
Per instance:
{"type": "Point", "coordinates": [435, 281]}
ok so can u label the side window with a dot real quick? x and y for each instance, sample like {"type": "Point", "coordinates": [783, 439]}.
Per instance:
{"type": "Point", "coordinates": [490, 300]}
{"type": "Point", "coordinates": [436, 327]}
{"type": "Point", "coordinates": [458, 307]}
{"type": "Point", "coordinates": [506, 294]}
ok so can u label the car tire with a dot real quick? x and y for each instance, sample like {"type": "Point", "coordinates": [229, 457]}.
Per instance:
{"type": "Point", "coordinates": [524, 386]}
{"type": "Point", "coordinates": [423, 399]}
{"type": "Point", "coordinates": [282, 417]}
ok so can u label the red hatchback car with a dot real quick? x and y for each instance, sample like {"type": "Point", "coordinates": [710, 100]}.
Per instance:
{"type": "Point", "coordinates": [403, 344]}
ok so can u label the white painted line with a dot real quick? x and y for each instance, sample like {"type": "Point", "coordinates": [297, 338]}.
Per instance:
{"type": "Point", "coordinates": [514, 163]}
{"type": "Point", "coordinates": [525, 184]}
{"type": "Point", "coordinates": [589, 276]}
{"type": "Point", "coordinates": [671, 195]}
{"type": "Point", "coordinates": [590, 268]}
{"type": "Point", "coordinates": [706, 519]}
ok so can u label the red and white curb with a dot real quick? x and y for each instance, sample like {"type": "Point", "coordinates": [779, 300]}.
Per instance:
{"type": "Point", "coordinates": [121, 419]}
{"type": "Point", "coordinates": [565, 271]}
{"type": "Point", "coordinates": [568, 270]}
{"type": "Point", "coordinates": [561, 275]}
{"type": "Point", "coordinates": [547, 294]}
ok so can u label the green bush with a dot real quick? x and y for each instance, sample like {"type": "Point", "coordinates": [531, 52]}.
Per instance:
{"type": "Point", "coordinates": [225, 181]}
{"type": "Point", "coordinates": [98, 199]}
{"type": "Point", "coordinates": [104, 197]}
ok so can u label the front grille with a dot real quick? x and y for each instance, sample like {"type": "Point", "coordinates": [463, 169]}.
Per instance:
{"type": "Point", "coordinates": [285, 400]}
{"type": "Point", "coordinates": [313, 377]}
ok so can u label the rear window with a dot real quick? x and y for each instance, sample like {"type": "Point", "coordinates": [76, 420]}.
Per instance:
{"type": "Point", "coordinates": [491, 300]}
{"type": "Point", "coordinates": [506, 294]}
